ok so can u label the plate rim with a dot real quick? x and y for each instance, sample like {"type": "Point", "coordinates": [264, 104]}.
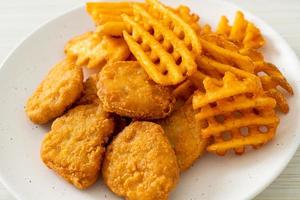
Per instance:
{"type": "Point", "coordinates": [254, 192]}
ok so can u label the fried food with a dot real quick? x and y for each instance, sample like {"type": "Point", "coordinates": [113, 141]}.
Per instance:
{"type": "Point", "coordinates": [89, 94]}
{"type": "Point", "coordinates": [125, 89]}
{"type": "Point", "coordinates": [184, 133]}
{"type": "Point", "coordinates": [217, 62]}
{"type": "Point", "coordinates": [140, 163]}
{"type": "Point", "coordinates": [165, 52]}
{"type": "Point", "coordinates": [61, 87]}
{"type": "Point", "coordinates": [93, 51]}
{"type": "Point", "coordinates": [191, 18]}
{"type": "Point", "coordinates": [74, 147]}
{"type": "Point", "coordinates": [227, 56]}
{"type": "Point", "coordinates": [111, 29]}
{"type": "Point", "coordinates": [271, 79]}
{"type": "Point", "coordinates": [103, 12]}
{"type": "Point", "coordinates": [228, 87]}
{"type": "Point", "coordinates": [245, 34]}
{"type": "Point", "coordinates": [229, 105]}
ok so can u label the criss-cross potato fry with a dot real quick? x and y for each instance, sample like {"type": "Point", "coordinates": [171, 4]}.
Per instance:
{"type": "Point", "coordinates": [175, 23]}
{"type": "Point", "coordinates": [230, 104]}
{"type": "Point", "coordinates": [229, 86]}
{"type": "Point", "coordinates": [243, 33]}
{"type": "Point", "coordinates": [271, 79]}
{"type": "Point", "coordinates": [102, 12]}
{"type": "Point", "coordinates": [94, 51]}
{"type": "Point", "coordinates": [191, 18]}
{"type": "Point", "coordinates": [163, 54]}
{"type": "Point", "coordinates": [252, 128]}
{"type": "Point", "coordinates": [214, 65]}
{"type": "Point", "coordinates": [111, 28]}
{"type": "Point", "coordinates": [226, 56]}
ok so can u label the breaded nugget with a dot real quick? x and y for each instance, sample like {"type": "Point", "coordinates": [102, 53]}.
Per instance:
{"type": "Point", "coordinates": [89, 94]}
{"type": "Point", "coordinates": [61, 87]}
{"type": "Point", "coordinates": [74, 147]}
{"type": "Point", "coordinates": [94, 51]}
{"type": "Point", "coordinates": [183, 132]}
{"type": "Point", "coordinates": [125, 89]}
{"type": "Point", "coordinates": [140, 163]}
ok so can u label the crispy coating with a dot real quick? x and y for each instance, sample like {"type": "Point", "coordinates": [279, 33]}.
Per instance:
{"type": "Point", "coordinates": [140, 164]}
{"type": "Point", "coordinates": [126, 89]}
{"type": "Point", "coordinates": [89, 94]}
{"type": "Point", "coordinates": [183, 132]}
{"type": "Point", "coordinates": [74, 147]}
{"type": "Point", "coordinates": [61, 87]}
{"type": "Point", "coordinates": [93, 51]}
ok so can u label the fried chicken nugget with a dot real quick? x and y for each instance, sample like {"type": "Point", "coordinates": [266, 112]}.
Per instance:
{"type": "Point", "coordinates": [89, 94]}
{"type": "Point", "coordinates": [125, 89]}
{"type": "Point", "coordinates": [61, 87]}
{"type": "Point", "coordinates": [140, 163]}
{"type": "Point", "coordinates": [74, 147]}
{"type": "Point", "coordinates": [183, 132]}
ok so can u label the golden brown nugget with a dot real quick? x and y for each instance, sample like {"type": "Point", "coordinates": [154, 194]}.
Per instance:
{"type": "Point", "coordinates": [183, 132]}
{"type": "Point", "coordinates": [75, 145]}
{"type": "Point", "coordinates": [89, 94]}
{"type": "Point", "coordinates": [125, 89]}
{"type": "Point", "coordinates": [140, 163]}
{"type": "Point", "coordinates": [61, 87]}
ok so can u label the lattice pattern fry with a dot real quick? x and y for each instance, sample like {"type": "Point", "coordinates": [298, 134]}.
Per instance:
{"type": "Point", "coordinates": [220, 89]}
{"type": "Point", "coordinates": [227, 56]}
{"type": "Point", "coordinates": [163, 54]}
{"type": "Point", "coordinates": [208, 67]}
{"type": "Point", "coordinates": [191, 18]}
{"type": "Point", "coordinates": [102, 12]}
{"type": "Point", "coordinates": [271, 79]}
{"type": "Point", "coordinates": [243, 33]}
{"type": "Point", "coordinates": [253, 128]}
{"type": "Point", "coordinates": [177, 24]}
{"type": "Point", "coordinates": [230, 105]}
{"type": "Point", "coordinates": [93, 51]}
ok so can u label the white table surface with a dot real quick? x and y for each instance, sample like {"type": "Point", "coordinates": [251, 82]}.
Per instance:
{"type": "Point", "coordinates": [19, 17]}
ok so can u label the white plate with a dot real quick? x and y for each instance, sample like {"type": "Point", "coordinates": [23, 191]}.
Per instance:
{"type": "Point", "coordinates": [212, 177]}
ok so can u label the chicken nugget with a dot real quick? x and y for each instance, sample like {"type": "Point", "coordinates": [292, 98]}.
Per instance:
{"type": "Point", "coordinates": [125, 89]}
{"type": "Point", "coordinates": [183, 132]}
{"type": "Point", "coordinates": [74, 147]}
{"type": "Point", "coordinates": [89, 94]}
{"type": "Point", "coordinates": [61, 87]}
{"type": "Point", "coordinates": [140, 163]}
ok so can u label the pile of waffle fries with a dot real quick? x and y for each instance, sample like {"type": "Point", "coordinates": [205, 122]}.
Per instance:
{"type": "Point", "coordinates": [234, 90]}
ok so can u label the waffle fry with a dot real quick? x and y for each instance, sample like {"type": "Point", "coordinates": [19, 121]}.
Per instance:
{"type": "Point", "coordinates": [217, 70]}
{"type": "Point", "coordinates": [163, 54]}
{"type": "Point", "coordinates": [191, 18]}
{"type": "Point", "coordinates": [228, 87]}
{"type": "Point", "coordinates": [243, 33]}
{"type": "Point", "coordinates": [271, 80]}
{"type": "Point", "coordinates": [223, 42]}
{"type": "Point", "coordinates": [206, 29]}
{"type": "Point", "coordinates": [230, 135]}
{"type": "Point", "coordinates": [226, 56]}
{"type": "Point", "coordinates": [102, 12]}
{"type": "Point", "coordinates": [229, 105]}
{"type": "Point", "coordinates": [111, 28]}
{"type": "Point", "coordinates": [175, 23]}
{"type": "Point", "coordinates": [93, 51]}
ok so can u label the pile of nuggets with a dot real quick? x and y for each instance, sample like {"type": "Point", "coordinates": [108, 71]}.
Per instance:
{"type": "Point", "coordinates": [163, 89]}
